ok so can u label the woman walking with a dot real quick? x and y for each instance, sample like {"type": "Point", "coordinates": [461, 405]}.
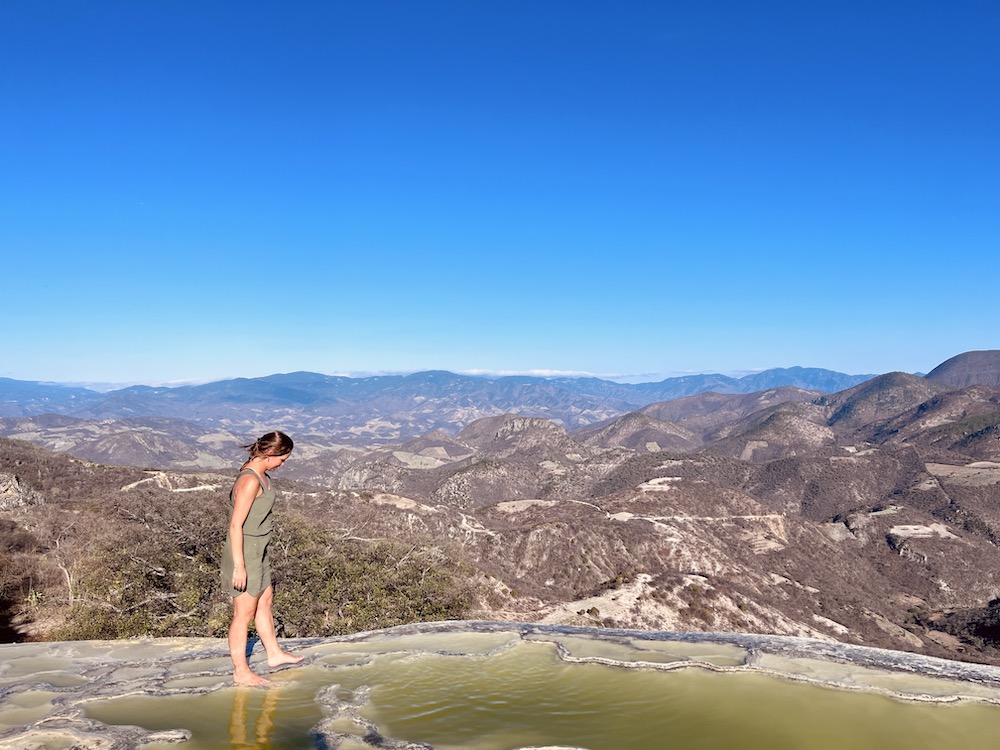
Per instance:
{"type": "Point", "coordinates": [246, 570]}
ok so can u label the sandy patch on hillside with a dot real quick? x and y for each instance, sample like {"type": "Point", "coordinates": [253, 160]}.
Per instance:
{"type": "Point", "coordinates": [403, 503]}
{"type": "Point", "coordinates": [918, 531]}
{"type": "Point", "coordinates": [616, 604]}
{"type": "Point", "coordinates": [976, 474]}
{"type": "Point", "coordinates": [516, 506]}
{"type": "Point", "coordinates": [659, 484]}
{"type": "Point", "coordinates": [417, 460]}
{"type": "Point", "coordinates": [750, 448]}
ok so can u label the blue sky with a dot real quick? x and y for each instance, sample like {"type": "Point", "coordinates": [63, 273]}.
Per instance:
{"type": "Point", "coordinates": [192, 191]}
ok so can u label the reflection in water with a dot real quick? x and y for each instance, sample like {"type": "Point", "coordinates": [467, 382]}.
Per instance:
{"type": "Point", "coordinates": [263, 726]}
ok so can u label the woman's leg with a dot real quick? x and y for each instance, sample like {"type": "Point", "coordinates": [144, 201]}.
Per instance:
{"type": "Point", "coordinates": [244, 607]}
{"type": "Point", "coordinates": [264, 622]}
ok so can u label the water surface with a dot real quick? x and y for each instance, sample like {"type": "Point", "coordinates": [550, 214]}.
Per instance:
{"type": "Point", "coordinates": [496, 693]}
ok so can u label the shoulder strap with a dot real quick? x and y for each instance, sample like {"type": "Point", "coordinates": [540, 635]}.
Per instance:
{"type": "Point", "coordinates": [260, 480]}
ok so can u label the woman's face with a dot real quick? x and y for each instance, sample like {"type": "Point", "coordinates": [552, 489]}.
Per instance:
{"type": "Point", "coordinates": [273, 462]}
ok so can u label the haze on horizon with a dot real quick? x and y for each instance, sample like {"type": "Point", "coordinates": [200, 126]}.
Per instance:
{"type": "Point", "coordinates": [633, 191]}
{"type": "Point", "coordinates": [635, 378]}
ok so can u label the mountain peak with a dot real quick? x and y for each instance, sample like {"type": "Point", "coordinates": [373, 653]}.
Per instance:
{"type": "Point", "coordinates": [969, 368]}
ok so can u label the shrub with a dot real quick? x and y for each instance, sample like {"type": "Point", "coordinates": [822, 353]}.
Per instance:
{"type": "Point", "coordinates": [330, 586]}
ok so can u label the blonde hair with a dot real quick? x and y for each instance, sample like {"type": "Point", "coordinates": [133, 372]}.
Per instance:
{"type": "Point", "coordinates": [271, 444]}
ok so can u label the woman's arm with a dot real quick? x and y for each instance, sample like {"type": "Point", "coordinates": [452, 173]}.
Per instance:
{"type": "Point", "coordinates": [244, 493]}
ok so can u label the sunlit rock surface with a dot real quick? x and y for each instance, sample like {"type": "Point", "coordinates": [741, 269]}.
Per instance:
{"type": "Point", "coordinates": [163, 693]}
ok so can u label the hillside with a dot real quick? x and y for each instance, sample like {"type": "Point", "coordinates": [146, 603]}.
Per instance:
{"type": "Point", "coordinates": [969, 368]}
{"type": "Point", "coordinates": [334, 412]}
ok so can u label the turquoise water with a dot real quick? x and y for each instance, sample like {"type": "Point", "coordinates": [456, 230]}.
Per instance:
{"type": "Point", "coordinates": [526, 696]}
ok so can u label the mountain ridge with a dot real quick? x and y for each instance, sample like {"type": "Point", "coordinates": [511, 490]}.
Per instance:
{"type": "Point", "coordinates": [336, 419]}
{"type": "Point", "coordinates": [364, 412]}
{"type": "Point", "coordinates": [302, 382]}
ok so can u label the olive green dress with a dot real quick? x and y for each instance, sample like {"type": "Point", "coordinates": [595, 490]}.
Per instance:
{"type": "Point", "coordinates": [256, 537]}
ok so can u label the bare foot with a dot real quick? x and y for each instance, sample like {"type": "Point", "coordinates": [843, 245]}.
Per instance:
{"type": "Point", "coordinates": [284, 658]}
{"type": "Point", "coordinates": [249, 679]}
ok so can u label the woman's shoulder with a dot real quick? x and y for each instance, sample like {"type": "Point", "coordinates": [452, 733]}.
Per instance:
{"type": "Point", "coordinates": [263, 480]}
{"type": "Point", "coordinates": [246, 475]}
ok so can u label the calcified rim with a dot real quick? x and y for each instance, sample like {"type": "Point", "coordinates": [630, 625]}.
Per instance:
{"type": "Point", "coordinates": [756, 645]}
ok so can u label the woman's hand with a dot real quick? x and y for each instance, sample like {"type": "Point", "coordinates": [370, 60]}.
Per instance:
{"type": "Point", "coordinates": [240, 577]}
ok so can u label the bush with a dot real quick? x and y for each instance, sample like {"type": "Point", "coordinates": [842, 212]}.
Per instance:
{"type": "Point", "coordinates": [329, 586]}
{"type": "Point", "coordinates": [137, 583]}
{"type": "Point", "coordinates": [143, 582]}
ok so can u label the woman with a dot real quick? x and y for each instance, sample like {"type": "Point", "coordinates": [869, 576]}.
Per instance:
{"type": "Point", "coordinates": [246, 571]}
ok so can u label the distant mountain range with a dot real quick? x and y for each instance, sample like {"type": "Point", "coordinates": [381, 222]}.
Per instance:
{"type": "Point", "coordinates": [361, 409]}
{"type": "Point", "coordinates": [334, 419]}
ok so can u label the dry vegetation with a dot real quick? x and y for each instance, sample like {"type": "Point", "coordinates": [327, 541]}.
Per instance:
{"type": "Point", "coordinates": [90, 552]}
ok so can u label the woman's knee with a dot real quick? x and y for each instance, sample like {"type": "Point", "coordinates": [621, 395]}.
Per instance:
{"type": "Point", "coordinates": [244, 607]}
{"type": "Point", "coordinates": [266, 599]}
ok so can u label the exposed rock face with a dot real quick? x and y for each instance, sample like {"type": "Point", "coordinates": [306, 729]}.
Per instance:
{"type": "Point", "coordinates": [15, 494]}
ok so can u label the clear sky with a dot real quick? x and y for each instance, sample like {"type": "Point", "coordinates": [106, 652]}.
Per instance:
{"type": "Point", "coordinates": [192, 191]}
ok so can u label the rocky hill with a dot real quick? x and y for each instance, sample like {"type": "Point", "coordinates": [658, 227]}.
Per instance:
{"type": "Point", "coordinates": [709, 411]}
{"type": "Point", "coordinates": [641, 432]}
{"type": "Point", "coordinates": [969, 368]}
